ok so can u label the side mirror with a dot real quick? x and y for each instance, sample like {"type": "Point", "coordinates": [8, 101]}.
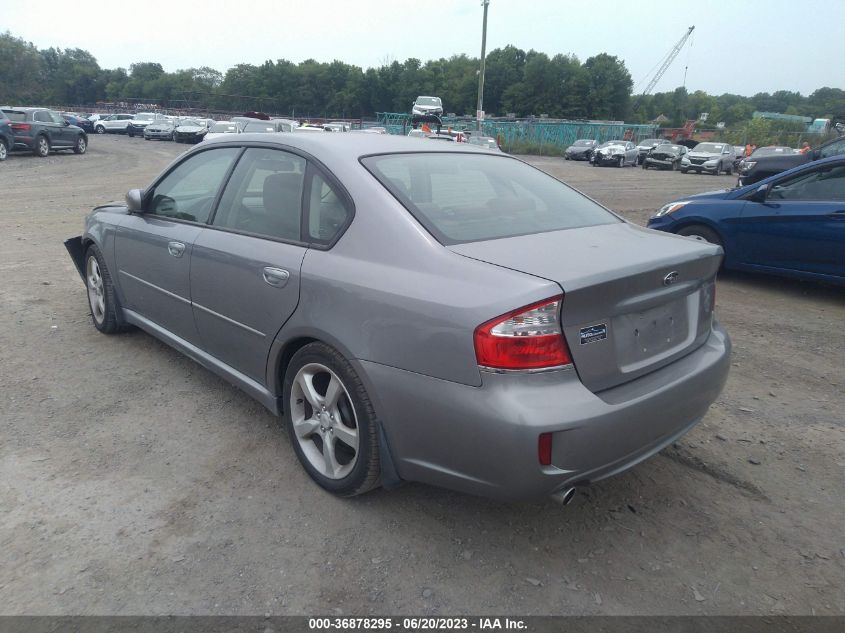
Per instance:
{"type": "Point", "coordinates": [134, 200]}
{"type": "Point", "coordinates": [761, 193]}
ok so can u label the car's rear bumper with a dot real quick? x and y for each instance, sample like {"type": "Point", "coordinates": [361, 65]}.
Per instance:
{"type": "Point", "coordinates": [484, 440]}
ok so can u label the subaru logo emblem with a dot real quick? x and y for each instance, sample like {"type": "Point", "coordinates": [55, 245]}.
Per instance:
{"type": "Point", "coordinates": [671, 278]}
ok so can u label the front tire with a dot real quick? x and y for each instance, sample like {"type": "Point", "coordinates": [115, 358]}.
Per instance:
{"type": "Point", "coordinates": [620, 162]}
{"type": "Point", "coordinates": [100, 129]}
{"type": "Point", "coordinates": [703, 233]}
{"type": "Point", "coordinates": [42, 147]}
{"type": "Point", "coordinates": [102, 300]}
{"type": "Point", "coordinates": [331, 421]}
{"type": "Point", "coordinates": [81, 145]}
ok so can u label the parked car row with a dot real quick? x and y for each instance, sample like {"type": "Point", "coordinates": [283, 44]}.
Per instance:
{"type": "Point", "coordinates": [40, 131]}
{"type": "Point", "coordinates": [706, 157]}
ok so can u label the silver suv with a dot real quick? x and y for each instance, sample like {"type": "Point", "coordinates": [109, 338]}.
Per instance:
{"type": "Point", "coordinates": [427, 105]}
{"type": "Point", "coordinates": [710, 158]}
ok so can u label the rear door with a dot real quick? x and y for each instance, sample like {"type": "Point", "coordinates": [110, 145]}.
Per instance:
{"type": "Point", "coordinates": [801, 224]}
{"type": "Point", "coordinates": [50, 127]}
{"type": "Point", "coordinates": [245, 268]}
{"type": "Point", "coordinates": [153, 249]}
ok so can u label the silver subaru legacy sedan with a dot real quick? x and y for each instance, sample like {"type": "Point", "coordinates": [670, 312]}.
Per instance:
{"type": "Point", "coordinates": [417, 312]}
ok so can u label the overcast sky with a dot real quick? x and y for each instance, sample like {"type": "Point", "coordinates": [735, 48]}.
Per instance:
{"type": "Point", "coordinates": [739, 46]}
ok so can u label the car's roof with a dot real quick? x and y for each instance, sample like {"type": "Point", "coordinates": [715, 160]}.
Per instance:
{"type": "Point", "coordinates": [347, 146]}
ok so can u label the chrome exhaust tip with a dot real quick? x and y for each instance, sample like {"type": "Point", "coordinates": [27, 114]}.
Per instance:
{"type": "Point", "coordinates": [565, 496]}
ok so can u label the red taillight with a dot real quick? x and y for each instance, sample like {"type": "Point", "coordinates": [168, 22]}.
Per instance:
{"type": "Point", "coordinates": [23, 127]}
{"type": "Point", "coordinates": [527, 338]}
{"type": "Point", "coordinates": [544, 449]}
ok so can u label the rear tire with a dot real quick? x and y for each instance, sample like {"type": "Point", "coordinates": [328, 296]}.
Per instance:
{"type": "Point", "coordinates": [4, 150]}
{"type": "Point", "coordinates": [347, 471]}
{"type": "Point", "coordinates": [102, 300]}
{"type": "Point", "coordinates": [703, 233]}
{"type": "Point", "coordinates": [42, 146]}
{"type": "Point", "coordinates": [645, 165]}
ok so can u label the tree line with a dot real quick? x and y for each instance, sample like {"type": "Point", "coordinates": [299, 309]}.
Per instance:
{"type": "Point", "coordinates": [516, 81]}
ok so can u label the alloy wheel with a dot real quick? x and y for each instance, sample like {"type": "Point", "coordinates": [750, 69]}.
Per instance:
{"type": "Point", "coordinates": [3, 151]}
{"type": "Point", "coordinates": [43, 146]}
{"type": "Point", "coordinates": [96, 293]}
{"type": "Point", "coordinates": [324, 421]}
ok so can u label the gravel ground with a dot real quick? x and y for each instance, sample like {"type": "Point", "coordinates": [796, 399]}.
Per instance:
{"type": "Point", "coordinates": [132, 481]}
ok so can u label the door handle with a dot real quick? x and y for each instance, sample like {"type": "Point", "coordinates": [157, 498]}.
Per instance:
{"type": "Point", "coordinates": [277, 277]}
{"type": "Point", "coordinates": [837, 215]}
{"type": "Point", "coordinates": [175, 248]}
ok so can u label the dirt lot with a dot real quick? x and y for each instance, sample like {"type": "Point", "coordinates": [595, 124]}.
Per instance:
{"type": "Point", "coordinates": [132, 481]}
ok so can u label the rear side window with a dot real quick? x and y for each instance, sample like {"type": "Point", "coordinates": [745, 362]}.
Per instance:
{"type": "Point", "coordinates": [468, 197]}
{"type": "Point", "coordinates": [327, 212]}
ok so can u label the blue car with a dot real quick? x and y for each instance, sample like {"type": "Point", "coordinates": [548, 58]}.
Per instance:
{"type": "Point", "coordinates": [790, 224]}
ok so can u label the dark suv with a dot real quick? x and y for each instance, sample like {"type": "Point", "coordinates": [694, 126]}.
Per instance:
{"type": "Point", "coordinates": [7, 138]}
{"type": "Point", "coordinates": [40, 130]}
{"type": "Point", "coordinates": [759, 166]}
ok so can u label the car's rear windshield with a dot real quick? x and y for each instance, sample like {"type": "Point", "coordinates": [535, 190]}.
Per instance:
{"type": "Point", "coordinates": [224, 127]}
{"type": "Point", "coordinates": [772, 151]}
{"type": "Point", "coordinates": [14, 115]}
{"type": "Point", "coordinates": [259, 126]}
{"type": "Point", "coordinates": [710, 148]}
{"type": "Point", "coordinates": [463, 197]}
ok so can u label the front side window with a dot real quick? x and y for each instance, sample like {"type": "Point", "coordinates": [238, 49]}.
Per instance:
{"type": "Point", "coordinates": [188, 192]}
{"type": "Point", "coordinates": [469, 197]}
{"type": "Point", "coordinates": [57, 118]}
{"type": "Point", "coordinates": [833, 149]}
{"type": "Point", "coordinates": [264, 195]}
{"type": "Point", "coordinates": [818, 185]}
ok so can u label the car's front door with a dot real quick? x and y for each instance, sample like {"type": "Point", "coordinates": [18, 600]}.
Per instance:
{"type": "Point", "coordinates": [64, 131]}
{"type": "Point", "coordinates": [801, 224]}
{"type": "Point", "coordinates": [245, 269]}
{"type": "Point", "coordinates": [153, 248]}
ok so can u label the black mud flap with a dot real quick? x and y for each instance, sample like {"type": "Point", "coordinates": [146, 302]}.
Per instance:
{"type": "Point", "coordinates": [77, 254]}
{"type": "Point", "coordinates": [390, 479]}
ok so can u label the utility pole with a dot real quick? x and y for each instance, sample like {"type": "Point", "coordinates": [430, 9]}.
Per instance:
{"type": "Point", "coordinates": [478, 115]}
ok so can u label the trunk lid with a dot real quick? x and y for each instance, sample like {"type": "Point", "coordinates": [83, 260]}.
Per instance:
{"type": "Point", "coordinates": [634, 299]}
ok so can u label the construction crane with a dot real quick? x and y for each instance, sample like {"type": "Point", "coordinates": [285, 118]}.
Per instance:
{"type": "Point", "coordinates": [667, 61]}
